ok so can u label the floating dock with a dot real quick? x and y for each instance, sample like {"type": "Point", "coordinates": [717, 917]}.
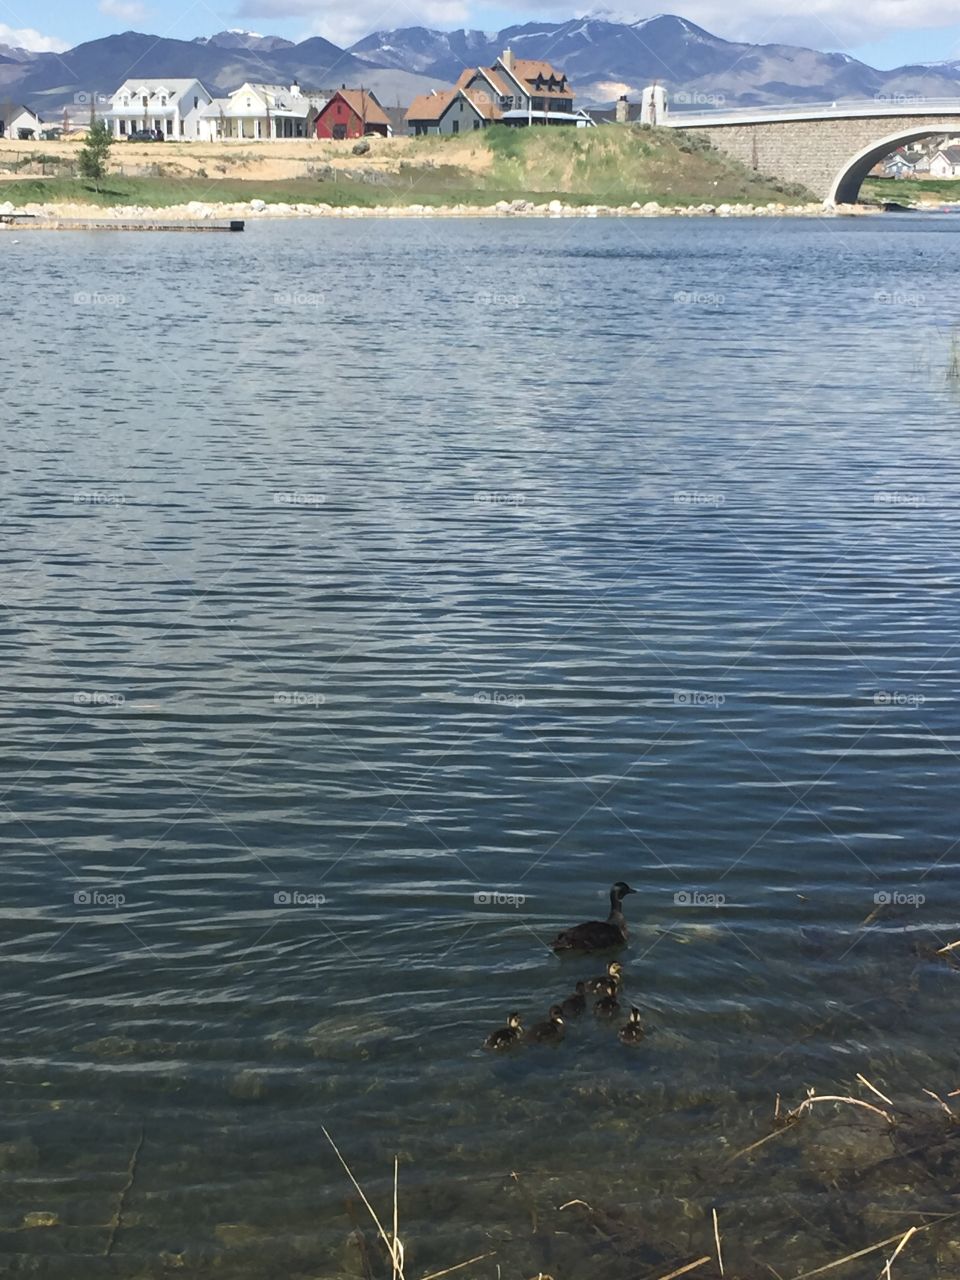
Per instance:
{"type": "Point", "coordinates": [30, 222]}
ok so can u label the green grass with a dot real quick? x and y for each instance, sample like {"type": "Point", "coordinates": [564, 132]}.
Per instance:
{"type": "Point", "coordinates": [909, 190]}
{"type": "Point", "coordinates": [608, 166]}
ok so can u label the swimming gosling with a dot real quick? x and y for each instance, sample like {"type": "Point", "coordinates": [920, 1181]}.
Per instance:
{"type": "Point", "coordinates": [634, 1031]}
{"type": "Point", "coordinates": [608, 1006]}
{"type": "Point", "coordinates": [614, 974]}
{"type": "Point", "coordinates": [550, 1032]}
{"type": "Point", "coordinates": [576, 1004]}
{"type": "Point", "coordinates": [505, 1037]}
{"type": "Point", "coordinates": [599, 935]}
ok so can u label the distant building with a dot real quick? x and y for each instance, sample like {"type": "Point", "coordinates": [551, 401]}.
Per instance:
{"type": "Point", "coordinates": [261, 112]}
{"type": "Point", "coordinates": [946, 163]}
{"type": "Point", "coordinates": [514, 91]}
{"type": "Point", "coordinates": [19, 122]}
{"type": "Point", "coordinates": [905, 164]}
{"type": "Point", "coordinates": [352, 113]}
{"type": "Point", "coordinates": [170, 107]}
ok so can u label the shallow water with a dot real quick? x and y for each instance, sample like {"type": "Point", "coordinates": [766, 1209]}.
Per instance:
{"type": "Point", "coordinates": [351, 571]}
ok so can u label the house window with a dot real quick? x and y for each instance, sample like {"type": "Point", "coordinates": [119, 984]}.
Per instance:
{"type": "Point", "coordinates": [169, 128]}
{"type": "Point", "coordinates": [123, 126]}
{"type": "Point", "coordinates": [196, 103]}
{"type": "Point", "coordinates": [476, 124]}
{"type": "Point", "coordinates": [456, 126]}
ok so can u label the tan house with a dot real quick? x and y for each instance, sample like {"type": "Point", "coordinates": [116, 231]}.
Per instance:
{"type": "Point", "coordinates": [514, 91]}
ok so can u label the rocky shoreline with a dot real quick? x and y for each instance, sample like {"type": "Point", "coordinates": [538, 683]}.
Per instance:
{"type": "Point", "coordinates": [260, 209]}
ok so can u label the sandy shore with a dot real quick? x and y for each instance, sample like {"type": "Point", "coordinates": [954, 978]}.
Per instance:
{"type": "Point", "coordinates": [259, 209]}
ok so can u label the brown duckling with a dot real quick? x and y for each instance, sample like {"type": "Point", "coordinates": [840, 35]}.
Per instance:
{"type": "Point", "coordinates": [550, 1032]}
{"type": "Point", "coordinates": [505, 1037]}
{"type": "Point", "coordinates": [608, 1006]}
{"type": "Point", "coordinates": [576, 1004]}
{"type": "Point", "coordinates": [614, 974]}
{"type": "Point", "coordinates": [634, 1031]}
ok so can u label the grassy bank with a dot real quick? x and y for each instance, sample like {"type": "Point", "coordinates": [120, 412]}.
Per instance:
{"type": "Point", "coordinates": [611, 166]}
{"type": "Point", "coordinates": [911, 191]}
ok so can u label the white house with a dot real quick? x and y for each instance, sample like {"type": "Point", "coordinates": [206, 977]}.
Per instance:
{"type": "Point", "coordinates": [19, 122]}
{"type": "Point", "coordinates": [946, 163]}
{"type": "Point", "coordinates": [171, 106]}
{"type": "Point", "coordinates": [265, 111]}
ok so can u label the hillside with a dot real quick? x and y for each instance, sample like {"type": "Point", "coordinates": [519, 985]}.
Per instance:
{"type": "Point", "coordinates": [607, 166]}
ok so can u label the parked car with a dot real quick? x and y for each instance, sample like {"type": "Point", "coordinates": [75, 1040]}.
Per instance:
{"type": "Point", "coordinates": [146, 135]}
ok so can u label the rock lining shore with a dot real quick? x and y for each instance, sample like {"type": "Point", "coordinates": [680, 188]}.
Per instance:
{"type": "Point", "coordinates": [256, 209]}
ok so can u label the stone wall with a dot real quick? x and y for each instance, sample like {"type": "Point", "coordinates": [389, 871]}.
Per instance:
{"type": "Point", "coordinates": [816, 153]}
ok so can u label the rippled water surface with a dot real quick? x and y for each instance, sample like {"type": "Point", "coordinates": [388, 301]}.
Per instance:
{"type": "Point", "coordinates": [352, 571]}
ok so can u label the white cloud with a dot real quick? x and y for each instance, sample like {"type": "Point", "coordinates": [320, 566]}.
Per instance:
{"type": "Point", "coordinates": [346, 24]}
{"type": "Point", "coordinates": [125, 10]}
{"type": "Point", "coordinates": [27, 38]}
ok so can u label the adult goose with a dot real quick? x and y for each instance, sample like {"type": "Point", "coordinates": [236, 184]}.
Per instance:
{"type": "Point", "coordinates": [598, 935]}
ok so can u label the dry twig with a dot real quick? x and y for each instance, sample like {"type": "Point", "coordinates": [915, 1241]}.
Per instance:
{"type": "Point", "coordinates": [117, 1220]}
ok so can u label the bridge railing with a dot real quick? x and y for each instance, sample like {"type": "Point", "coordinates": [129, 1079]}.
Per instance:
{"type": "Point", "coordinates": [689, 114]}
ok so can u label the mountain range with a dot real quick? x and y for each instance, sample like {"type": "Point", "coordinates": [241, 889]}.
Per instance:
{"type": "Point", "coordinates": [603, 59]}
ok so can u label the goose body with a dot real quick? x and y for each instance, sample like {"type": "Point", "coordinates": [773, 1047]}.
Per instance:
{"type": "Point", "coordinates": [505, 1037]}
{"type": "Point", "coordinates": [598, 935]}
{"type": "Point", "coordinates": [550, 1032]}
{"type": "Point", "coordinates": [633, 1032]}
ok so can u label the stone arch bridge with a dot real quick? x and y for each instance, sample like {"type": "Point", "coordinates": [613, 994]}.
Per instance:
{"type": "Point", "coordinates": [830, 149]}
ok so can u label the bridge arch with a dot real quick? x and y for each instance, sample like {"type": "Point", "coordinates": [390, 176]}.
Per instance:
{"type": "Point", "coordinates": [845, 187]}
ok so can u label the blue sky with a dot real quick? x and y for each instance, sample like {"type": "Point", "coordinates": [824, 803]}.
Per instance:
{"type": "Point", "coordinates": [884, 33]}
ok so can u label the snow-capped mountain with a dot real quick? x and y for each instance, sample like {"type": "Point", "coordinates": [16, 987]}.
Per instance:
{"type": "Point", "coordinates": [605, 58]}
{"type": "Point", "coordinates": [237, 39]}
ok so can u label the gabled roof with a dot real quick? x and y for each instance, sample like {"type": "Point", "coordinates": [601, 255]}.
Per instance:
{"type": "Point", "coordinates": [482, 103]}
{"type": "Point", "coordinates": [430, 107]}
{"type": "Point", "coordinates": [364, 104]}
{"type": "Point", "coordinates": [153, 86]}
{"type": "Point", "coordinates": [525, 72]}
{"type": "Point", "coordinates": [951, 154]}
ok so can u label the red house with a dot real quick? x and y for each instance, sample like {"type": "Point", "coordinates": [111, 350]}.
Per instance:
{"type": "Point", "coordinates": [353, 113]}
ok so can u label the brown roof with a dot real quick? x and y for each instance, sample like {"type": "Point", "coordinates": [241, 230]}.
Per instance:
{"type": "Point", "coordinates": [430, 106]}
{"type": "Point", "coordinates": [527, 69]}
{"type": "Point", "coordinates": [364, 104]}
{"type": "Point", "coordinates": [483, 103]}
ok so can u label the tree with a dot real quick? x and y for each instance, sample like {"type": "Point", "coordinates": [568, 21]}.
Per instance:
{"type": "Point", "coordinates": [92, 160]}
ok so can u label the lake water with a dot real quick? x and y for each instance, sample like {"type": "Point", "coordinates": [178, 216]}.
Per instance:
{"type": "Point", "coordinates": [353, 570]}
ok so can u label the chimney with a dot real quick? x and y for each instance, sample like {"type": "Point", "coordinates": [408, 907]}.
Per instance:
{"type": "Point", "coordinates": [623, 111]}
{"type": "Point", "coordinates": [295, 89]}
{"type": "Point", "coordinates": [507, 60]}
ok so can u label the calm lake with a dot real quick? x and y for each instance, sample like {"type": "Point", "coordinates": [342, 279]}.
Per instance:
{"type": "Point", "coordinates": [373, 596]}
